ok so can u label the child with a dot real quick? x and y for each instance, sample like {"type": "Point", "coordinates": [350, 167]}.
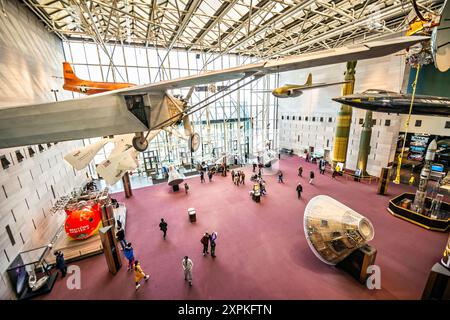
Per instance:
{"type": "Point", "coordinates": [311, 177]}
{"type": "Point", "coordinates": [139, 274]}
{"type": "Point", "coordinates": [186, 188]}
{"type": "Point", "coordinates": [129, 254]}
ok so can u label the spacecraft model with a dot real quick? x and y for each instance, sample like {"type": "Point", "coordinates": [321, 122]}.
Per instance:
{"type": "Point", "coordinates": [83, 220]}
{"type": "Point", "coordinates": [333, 230]}
{"type": "Point", "coordinates": [421, 193]}
{"type": "Point", "coordinates": [393, 102]}
{"type": "Point", "coordinates": [175, 177]}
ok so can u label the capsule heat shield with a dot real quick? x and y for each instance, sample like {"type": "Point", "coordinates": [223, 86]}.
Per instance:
{"type": "Point", "coordinates": [333, 230]}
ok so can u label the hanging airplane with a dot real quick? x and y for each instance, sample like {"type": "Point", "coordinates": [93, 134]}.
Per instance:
{"type": "Point", "coordinates": [147, 108]}
{"type": "Point", "coordinates": [296, 90]}
{"type": "Point", "coordinates": [73, 83]}
{"type": "Point", "coordinates": [392, 102]}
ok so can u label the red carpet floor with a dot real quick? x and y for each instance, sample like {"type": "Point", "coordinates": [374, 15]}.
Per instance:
{"type": "Point", "coordinates": [261, 249]}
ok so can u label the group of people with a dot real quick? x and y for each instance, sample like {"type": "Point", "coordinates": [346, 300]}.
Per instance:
{"type": "Point", "coordinates": [207, 240]}
{"type": "Point", "coordinates": [311, 174]}
{"type": "Point", "coordinates": [202, 175]}
{"type": "Point", "coordinates": [238, 177]}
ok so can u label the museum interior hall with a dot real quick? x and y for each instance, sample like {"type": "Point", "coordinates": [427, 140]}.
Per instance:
{"type": "Point", "coordinates": [224, 150]}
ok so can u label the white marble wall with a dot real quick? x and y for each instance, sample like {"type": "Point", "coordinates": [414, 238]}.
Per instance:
{"type": "Point", "coordinates": [30, 58]}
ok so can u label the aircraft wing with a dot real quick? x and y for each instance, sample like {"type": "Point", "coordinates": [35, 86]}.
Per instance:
{"type": "Point", "coordinates": [354, 52]}
{"type": "Point", "coordinates": [315, 85]}
{"type": "Point", "coordinates": [98, 115]}
{"type": "Point", "coordinates": [107, 113]}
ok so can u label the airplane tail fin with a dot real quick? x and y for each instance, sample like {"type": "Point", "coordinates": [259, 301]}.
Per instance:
{"type": "Point", "coordinates": [309, 80]}
{"type": "Point", "coordinates": [68, 72]}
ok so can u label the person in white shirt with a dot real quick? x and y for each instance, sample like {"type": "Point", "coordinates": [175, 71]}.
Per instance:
{"type": "Point", "coordinates": [187, 265]}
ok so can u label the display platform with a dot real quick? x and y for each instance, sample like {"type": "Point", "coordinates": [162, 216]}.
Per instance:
{"type": "Point", "coordinates": [76, 250]}
{"type": "Point", "coordinates": [29, 294]}
{"type": "Point", "coordinates": [403, 212]}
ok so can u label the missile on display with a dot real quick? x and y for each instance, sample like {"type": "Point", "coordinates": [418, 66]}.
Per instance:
{"type": "Point", "coordinates": [333, 230]}
{"type": "Point", "coordinates": [421, 193]}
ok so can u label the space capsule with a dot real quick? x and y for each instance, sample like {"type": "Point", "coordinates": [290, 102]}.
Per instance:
{"type": "Point", "coordinates": [333, 230]}
{"type": "Point", "coordinates": [175, 177]}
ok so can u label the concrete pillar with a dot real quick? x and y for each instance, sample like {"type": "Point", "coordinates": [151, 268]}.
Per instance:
{"type": "Point", "coordinates": [127, 185]}
{"type": "Point", "coordinates": [344, 118]}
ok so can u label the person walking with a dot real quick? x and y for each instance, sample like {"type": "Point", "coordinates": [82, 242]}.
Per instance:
{"type": "Point", "coordinates": [300, 171]}
{"type": "Point", "coordinates": [120, 235]}
{"type": "Point", "coordinates": [202, 176]}
{"type": "Point", "coordinates": [129, 254]}
{"type": "Point", "coordinates": [187, 265]}
{"type": "Point", "coordinates": [254, 167]}
{"type": "Point", "coordinates": [205, 241]}
{"type": "Point", "coordinates": [139, 274]}
{"type": "Point", "coordinates": [163, 228]}
{"type": "Point", "coordinates": [299, 190]}
{"type": "Point", "coordinates": [212, 242]}
{"type": "Point", "coordinates": [307, 157]}
{"type": "Point", "coordinates": [322, 167]}
{"type": "Point", "coordinates": [280, 176]}
{"type": "Point", "coordinates": [232, 175]}
{"type": "Point", "coordinates": [311, 177]}
{"type": "Point", "coordinates": [186, 187]}
{"type": "Point", "coordinates": [242, 177]}
{"type": "Point", "coordinates": [210, 175]}
{"type": "Point", "coordinates": [61, 263]}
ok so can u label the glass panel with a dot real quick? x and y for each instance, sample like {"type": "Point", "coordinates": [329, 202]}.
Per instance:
{"type": "Point", "coordinates": [121, 74]}
{"type": "Point", "coordinates": [118, 56]}
{"type": "Point", "coordinates": [103, 57]}
{"type": "Point", "coordinates": [95, 73]}
{"type": "Point", "coordinates": [81, 71]}
{"type": "Point", "coordinates": [130, 56]}
{"type": "Point", "coordinates": [133, 76]}
{"type": "Point", "coordinates": [77, 52]}
{"type": "Point", "coordinates": [91, 53]}
{"type": "Point", "coordinates": [107, 74]}
{"type": "Point", "coordinates": [141, 57]}
{"type": "Point", "coordinates": [143, 76]}
{"type": "Point", "coordinates": [66, 48]}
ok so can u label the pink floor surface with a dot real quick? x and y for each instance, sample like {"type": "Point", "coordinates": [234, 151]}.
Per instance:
{"type": "Point", "coordinates": [261, 250]}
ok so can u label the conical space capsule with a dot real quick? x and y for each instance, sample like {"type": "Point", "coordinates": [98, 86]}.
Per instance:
{"type": "Point", "coordinates": [174, 177]}
{"type": "Point", "coordinates": [333, 230]}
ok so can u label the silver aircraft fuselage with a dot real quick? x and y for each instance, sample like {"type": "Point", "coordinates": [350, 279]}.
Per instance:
{"type": "Point", "coordinates": [392, 102]}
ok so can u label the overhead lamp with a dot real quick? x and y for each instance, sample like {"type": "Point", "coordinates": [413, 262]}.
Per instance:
{"type": "Point", "coordinates": [31, 151]}
{"type": "Point", "coordinates": [40, 147]}
{"type": "Point", "coordinates": [5, 162]}
{"type": "Point", "coordinates": [19, 156]}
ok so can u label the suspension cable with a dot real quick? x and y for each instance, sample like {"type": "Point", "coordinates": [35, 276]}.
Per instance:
{"type": "Point", "coordinates": [400, 156]}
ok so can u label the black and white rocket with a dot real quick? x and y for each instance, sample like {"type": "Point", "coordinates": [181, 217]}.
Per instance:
{"type": "Point", "coordinates": [421, 193]}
